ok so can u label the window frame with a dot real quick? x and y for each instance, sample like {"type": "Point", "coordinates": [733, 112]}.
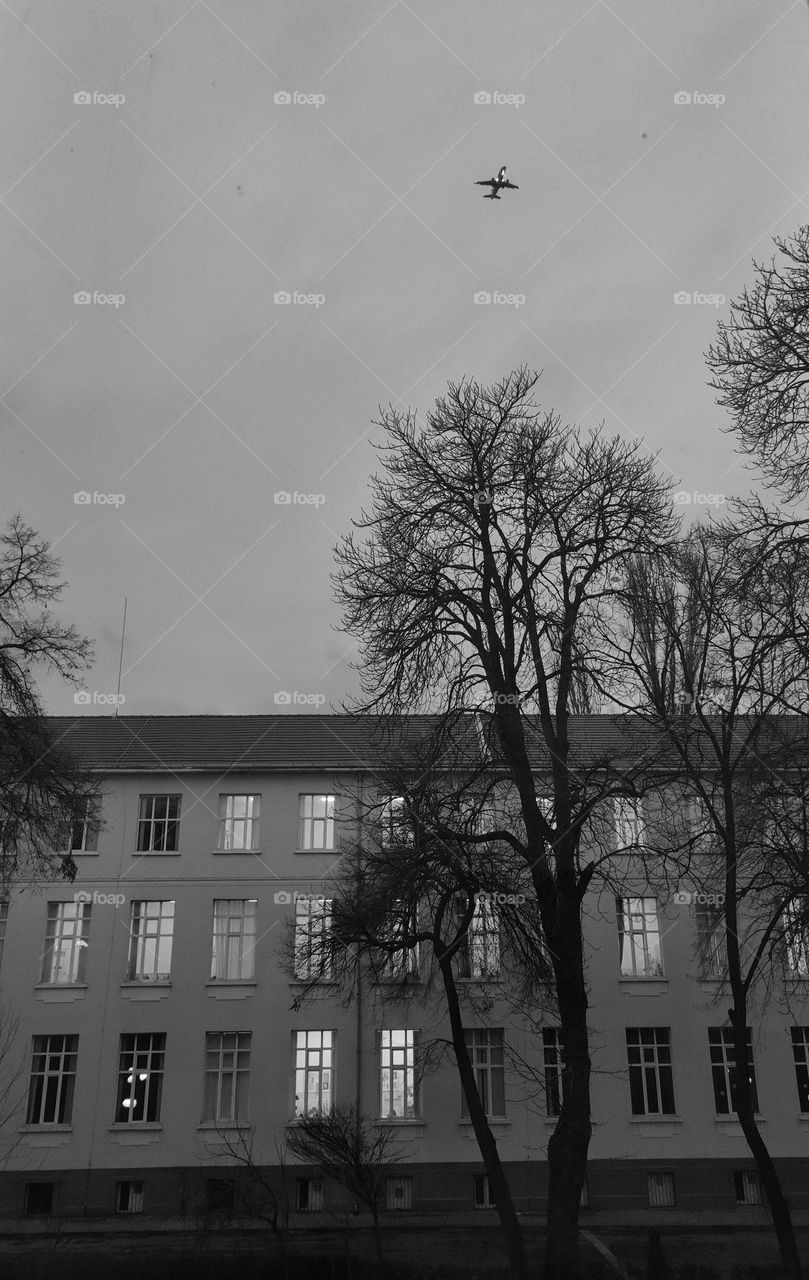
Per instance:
{"type": "Point", "coordinates": [226, 1070]}
{"type": "Point", "coordinates": [249, 822]}
{"type": "Point", "coordinates": [483, 1045]}
{"type": "Point", "coordinates": [145, 940]}
{"type": "Point", "coordinates": [553, 1063]}
{"type": "Point", "coordinates": [724, 1089]}
{"type": "Point", "coordinates": [651, 1079]}
{"type": "Point", "coordinates": [150, 1048]}
{"type": "Point", "coordinates": [309, 823]}
{"type": "Point", "coordinates": [51, 1084]}
{"type": "Point", "coordinates": [399, 1061]}
{"type": "Point", "coordinates": [65, 933]}
{"type": "Point", "coordinates": [313, 1059]}
{"type": "Point", "coordinates": [627, 938]}
{"type": "Point", "coordinates": [149, 824]}
{"type": "Point", "coordinates": [799, 1037]}
{"type": "Point", "coordinates": [482, 941]}
{"type": "Point", "coordinates": [231, 941]}
{"type": "Point", "coordinates": [314, 939]}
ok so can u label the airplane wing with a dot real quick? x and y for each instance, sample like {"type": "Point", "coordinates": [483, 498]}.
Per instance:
{"type": "Point", "coordinates": [513, 186]}
{"type": "Point", "coordinates": [486, 182]}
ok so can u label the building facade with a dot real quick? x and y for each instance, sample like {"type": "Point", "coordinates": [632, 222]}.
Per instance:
{"type": "Point", "coordinates": [158, 1029]}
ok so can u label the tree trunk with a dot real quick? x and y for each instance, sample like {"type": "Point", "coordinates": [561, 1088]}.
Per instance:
{"type": "Point", "coordinates": [570, 1140]}
{"type": "Point", "coordinates": [377, 1233]}
{"type": "Point", "coordinates": [767, 1172]}
{"type": "Point", "coordinates": [498, 1185]}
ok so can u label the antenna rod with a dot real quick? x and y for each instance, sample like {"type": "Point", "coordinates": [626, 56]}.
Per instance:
{"type": "Point", "coordinates": [120, 661]}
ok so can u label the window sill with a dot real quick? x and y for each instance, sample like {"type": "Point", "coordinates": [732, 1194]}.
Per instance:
{"type": "Point", "coordinates": [222, 1126]}
{"type": "Point", "coordinates": [231, 988]}
{"type": "Point", "coordinates": [84, 853]}
{"type": "Point", "coordinates": [656, 1118]}
{"type": "Point", "coordinates": [145, 990]}
{"type": "Point", "coordinates": [46, 1128]}
{"type": "Point", "coordinates": [135, 1134]}
{"type": "Point", "coordinates": [59, 992]}
{"type": "Point", "coordinates": [500, 1120]}
{"type": "Point", "coordinates": [156, 853]}
{"type": "Point", "coordinates": [401, 1122]}
{"type": "Point", "coordinates": [733, 1119]}
{"type": "Point", "coordinates": [643, 986]}
{"type": "Point", "coordinates": [302, 984]}
{"type": "Point", "coordinates": [228, 853]}
{"type": "Point", "coordinates": [332, 850]}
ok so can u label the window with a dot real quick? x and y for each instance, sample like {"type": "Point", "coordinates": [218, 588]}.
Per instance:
{"type": "Point", "coordinates": [629, 824]}
{"type": "Point", "coordinates": [397, 828]}
{"type": "Point", "coordinates": [552, 1050]}
{"type": "Point", "coordinates": [233, 957]}
{"type": "Point", "coordinates": [479, 957]}
{"type": "Point", "coordinates": [313, 1071]}
{"type": "Point", "coordinates": [38, 1199]}
{"type": "Point", "coordinates": [485, 1047]}
{"type": "Point", "coordinates": [238, 822]}
{"type": "Point", "coordinates": [151, 932]}
{"type": "Point", "coordinates": [800, 1052]}
{"type": "Point", "coordinates": [398, 1193]}
{"type": "Point", "coordinates": [309, 1195]}
{"type": "Point", "coordinates": [711, 939]}
{"type": "Point", "coordinates": [140, 1078]}
{"type": "Point", "coordinates": [53, 1076]}
{"type": "Point", "coordinates": [316, 822]}
{"type": "Point", "coordinates": [796, 938]}
{"type": "Point", "coordinates": [723, 1069]}
{"type": "Point", "coordinates": [398, 1090]}
{"type": "Point", "coordinates": [402, 963]}
{"type": "Point", "coordinates": [85, 828]}
{"type": "Point", "coordinates": [747, 1185]}
{"type": "Point", "coordinates": [661, 1190]}
{"type": "Point", "coordinates": [227, 1071]}
{"type": "Point", "coordinates": [66, 936]}
{"type": "Point", "coordinates": [481, 1196]}
{"type": "Point", "coordinates": [313, 938]}
{"type": "Point", "coordinates": [220, 1197]}
{"type": "Point", "coordinates": [159, 824]}
{"type": "Point", "coordinates": [3, 925]}
{"type": "Point", "coordinates": [129, 1197]}
{"type": "Point", "coordinates": [639, 938]}
{"type": "Point", "coordinates": [650, 1081]}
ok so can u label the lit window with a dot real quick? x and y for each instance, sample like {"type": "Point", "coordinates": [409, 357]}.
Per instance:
{"type": "Point", "coordinates": [479, 956]}
{"type": "Point", "coordinates": [316, 821]}
{"type": "Point", "coordinates": [239, 822]}
{"type": "Point", "coordinates": [66, 938]}
{"type": "Point", "coordinates": [313, 1072]}
{"type": "Point", "coordinates": [398, 1084]}
{"type": "Point", "coordinates": [140, 1078]}
{"type": "Point", "coordinates": [796, 937]}
{"type": "Point", "coordinates": [313, 938]}
{"type": "Point", "coordinates": [397, 828]}
{"type": "Point", "coordinates": [233, 956]}
{"type": "Point", "coordinates": [159, 824]}
{"type": "Point", "coordinates": [639, 938]}
{"type": "Point", "coordinates": [151, 933]}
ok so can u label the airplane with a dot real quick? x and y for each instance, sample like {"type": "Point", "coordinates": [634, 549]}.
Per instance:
{"type": "Point", "coordinates": [496, 185]}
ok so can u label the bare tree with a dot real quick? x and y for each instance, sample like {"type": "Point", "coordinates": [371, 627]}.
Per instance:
{"type": "Point", "coordinates": [13, 1079]}
{"type": "Point", "coordinates": [760, 366]}
{"type": "Point", "coordinates": [261, 1191]}
{"type": "Point", "coordinates": [729, 618]}
{"type": "Point", "coordinates": [490, 562]}
{"type": "Point", "coordinates": [350, 1149]}
{"type": "Point", "coordinates": [43, 793]}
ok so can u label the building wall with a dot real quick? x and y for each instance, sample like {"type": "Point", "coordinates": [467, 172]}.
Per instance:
{"type": "Point", "coordinates": [174, 1158]}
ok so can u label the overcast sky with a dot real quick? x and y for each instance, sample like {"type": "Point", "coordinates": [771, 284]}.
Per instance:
{"type": "Point", "coordinates": [236, 150]}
